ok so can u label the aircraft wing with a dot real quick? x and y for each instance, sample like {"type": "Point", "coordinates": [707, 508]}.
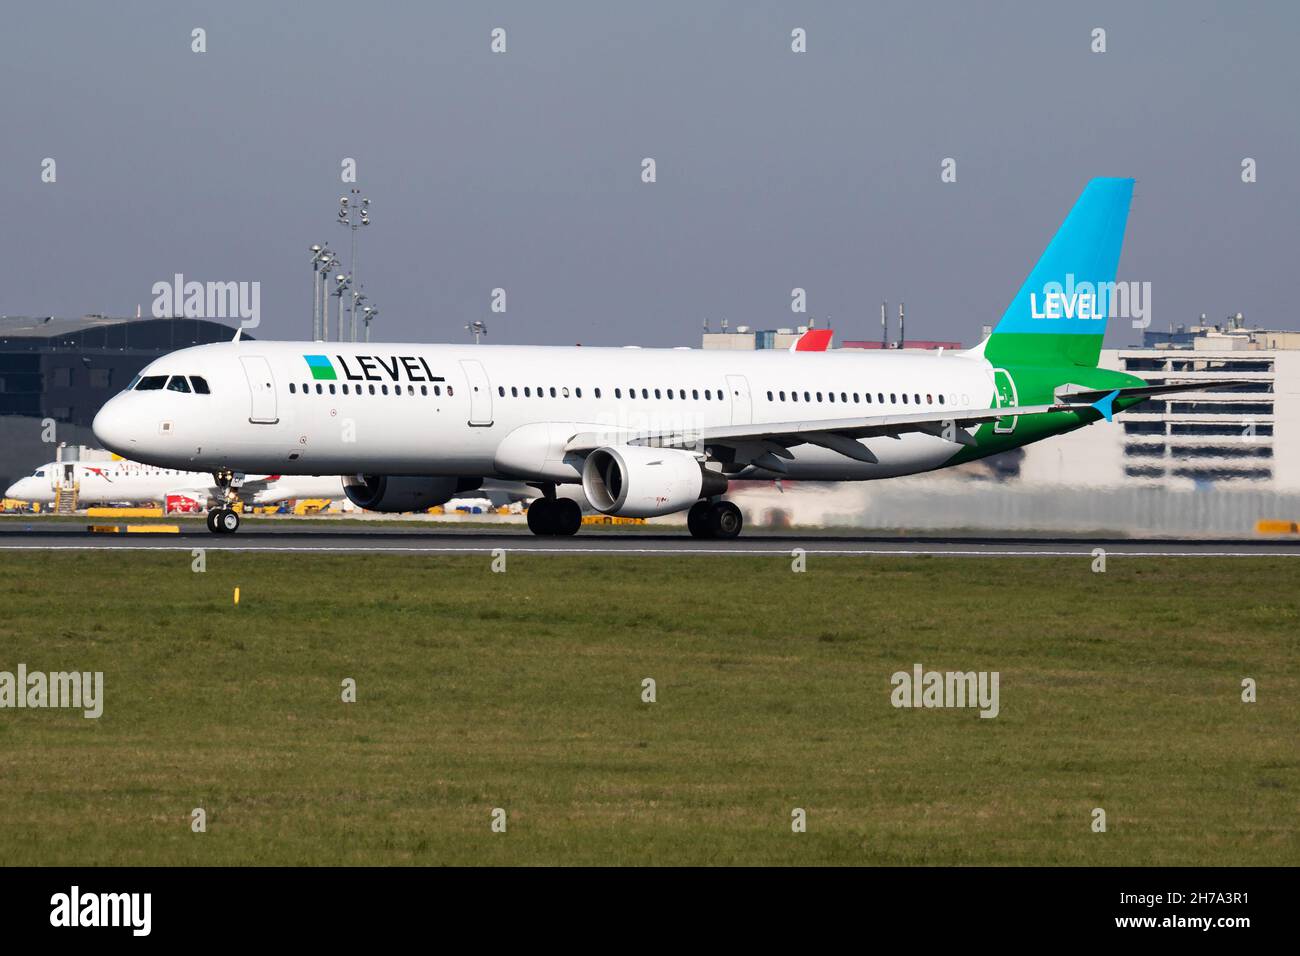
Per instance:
{"type": "Point", "coordinates": [769, 441]}
{"type": "Point", "coordinates": [252, 486]}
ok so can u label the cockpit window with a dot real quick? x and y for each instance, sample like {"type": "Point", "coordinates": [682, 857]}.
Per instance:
{"type": "Point", "coordinates": [178, 384]}
{"type": "Point", "coordinates": [151, 383]}
{"type": "Point", "coordinates": [40, 473]}
{"type": "Point", "coordinates": [135, 381]}
{"type": "Point", "coordinates": [200, 384]}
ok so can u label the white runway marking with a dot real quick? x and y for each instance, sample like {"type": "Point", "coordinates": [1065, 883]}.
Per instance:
{"type": "Point", "coordinates": [1112, 552]}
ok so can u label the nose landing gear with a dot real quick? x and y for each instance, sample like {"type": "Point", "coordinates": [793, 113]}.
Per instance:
{"type": "Point", "coordinates": [224, 519]}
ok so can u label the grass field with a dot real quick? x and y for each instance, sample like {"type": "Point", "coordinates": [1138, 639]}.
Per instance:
{"type": "Point", "coordinates": [522, 691]}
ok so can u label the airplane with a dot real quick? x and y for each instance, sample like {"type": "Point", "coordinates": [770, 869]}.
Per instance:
{"type": "Point", "coordinates": [644, 432]}
{"type": "Point", "coordinates": [109, 482]}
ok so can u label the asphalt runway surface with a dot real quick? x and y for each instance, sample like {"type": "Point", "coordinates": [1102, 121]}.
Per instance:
{"type": "Point", "coordinates": [20, 535]}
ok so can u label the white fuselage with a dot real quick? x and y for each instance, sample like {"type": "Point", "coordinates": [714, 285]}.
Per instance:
{"type": "Point", "coordinates": [508, 411]}
{"type": "Point", "coordinates": [132, 482]}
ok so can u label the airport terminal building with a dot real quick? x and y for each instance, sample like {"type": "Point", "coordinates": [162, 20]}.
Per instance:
{"type": "Point", "coordinates": [56, 373]}
{"type": "Point", "coordinates": [1247, 438]}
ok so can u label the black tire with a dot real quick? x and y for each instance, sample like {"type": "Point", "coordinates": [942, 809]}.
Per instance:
{"type": "Point", "coordinates": [541, 516]}
{"type": "Point", "coordinates": [725, 520]}
{"type": "Point", "coordinates": [567, 515]}
{"type": "Point", "coordinates": [212, 521]}
{"type": "Point", "coordinates": [697, 520]}
{"type": "Point", "coordinates": [228, 520]}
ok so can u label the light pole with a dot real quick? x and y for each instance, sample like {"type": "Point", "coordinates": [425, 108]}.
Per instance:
{"type": "Point", "coordinates": [341, 284]}
{"type": "Point", "coordinates": [354, 212]}
{"type": "Point", "coordinates": [327, 266]}
{"type": "Point", "coordinates": [478, 327]}
{"type": "Point", "coordinates": [357, 299]}
{"type": "Point", "coordinates": [369, 313]}
{"type": "Point", "coordinates": [319, 260]}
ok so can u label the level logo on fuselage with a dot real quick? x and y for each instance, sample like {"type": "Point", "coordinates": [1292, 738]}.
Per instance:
{"type": "Point", "coordinates": [372, 368]}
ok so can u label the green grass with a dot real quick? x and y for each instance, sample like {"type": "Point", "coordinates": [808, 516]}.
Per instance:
{"type": "Point", "coordinates": [522, 691]}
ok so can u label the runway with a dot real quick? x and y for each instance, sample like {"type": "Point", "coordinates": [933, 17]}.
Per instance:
{"type": "Point", "coordinates": [424, 540]}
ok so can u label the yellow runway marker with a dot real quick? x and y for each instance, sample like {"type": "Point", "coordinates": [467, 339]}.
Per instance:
{"type": "Point", "coordinates": [236, 597]}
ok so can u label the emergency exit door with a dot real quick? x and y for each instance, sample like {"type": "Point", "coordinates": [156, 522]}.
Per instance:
{"type": "Point", "coordinates": [261, 387]}
{"type": "Point", "coordinates": [480, 393]}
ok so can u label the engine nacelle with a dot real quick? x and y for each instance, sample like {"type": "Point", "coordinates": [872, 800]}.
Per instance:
{"type": "Point", "coordinates": [635, 481]}
{"type": "Point", "coordinates": [393, 493]}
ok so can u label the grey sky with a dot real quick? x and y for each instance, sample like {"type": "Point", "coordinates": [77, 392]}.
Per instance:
{"type": "Point", "coordinates": [522, 170]}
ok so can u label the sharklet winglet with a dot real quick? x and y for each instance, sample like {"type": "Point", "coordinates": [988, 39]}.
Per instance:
{"type": "Point", "coordinates": [1106, 405]}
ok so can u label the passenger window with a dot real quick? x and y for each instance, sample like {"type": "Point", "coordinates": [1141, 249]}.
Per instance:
{"type": "Point", "coordinates": [880, 397]}
{"type": "Point", "coordinates": [372, 390]}
{"type": "Point", "coordinates": [514, 391]}
{"type": "Point", "coordinates": [940, 399]}
{"type": "Point", "coordinates": [382, 388]}
{"type": "Point", "coordinates": [618, 393]}
{"type": "Point", "coordinates": [794, 396]}
{"type": "Point", "coordinates": [292, 388]}
{"type": "Point", "coordinates": [695, 394]}
{"type": "Point", "coordinates": [424, 389]}
{"type": "Point", "coordinates": [331, 388]}
{"type": "Point", "coordinates": [552, 391]}
{"type": "Point", "coordinates": [645, 393]}
{"type": "Point", "coordinates": [528, 392]}
{"type": "Point", "coordinates": [843, 397]}
{"type": "Point", "coordinates": [855, 398]}
{"type": "Point", "coordinates": [319, 389]}
{"type": "Point", "coordinates": [656, 393]}
{"type": "Point", "coordinates": [598, 393]}
{"type": "Point", "coordinates": [831, 396]}
{"type": "Point", "coordinates": [782, 394]}
{"type": "Point", "coordinates": [200, 385]}
{"type": "Point", "coordinates": [501, 390]}
{"type": "Point", "coordinates": [807, 397]}
{"type": "Point", "coordinates": [769, 396]}
{"type": "Point", "coordinates": [905, 398]}
{"type": "Point", "coordinates": [577, 392]}
{"type": "Point", "coordinates": [708, 395]}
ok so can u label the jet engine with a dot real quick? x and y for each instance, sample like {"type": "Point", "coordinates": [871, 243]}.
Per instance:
{"type": "Point", "coordinates": [636, 481]}
{"type": "Point", "coordinates": [397, 493]}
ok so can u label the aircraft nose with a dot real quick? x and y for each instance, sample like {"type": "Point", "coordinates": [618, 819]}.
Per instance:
{"type": "Point", "coordinates": [114, 429]}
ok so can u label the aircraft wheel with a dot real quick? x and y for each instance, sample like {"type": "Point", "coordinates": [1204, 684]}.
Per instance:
{"type": "Point", "coordinates": [697, 520]}
{"type": "Point", "coordinates": [227, 521]}
{"type": "Point", "coordinates": [567, 516]}
{"type": "Point", "coordinates": [541, 516]}
{"type": "Point", "coordinates": [725, 520]}
{"type": "Point", "coordinates": [212, 521]}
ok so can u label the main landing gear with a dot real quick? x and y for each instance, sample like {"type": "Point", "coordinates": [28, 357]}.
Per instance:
{"type": "Point", "coordinates": [714, 519]}
{"type": "Point", "coordinates": [224, 519]}
{"type": "Point", "coordinates": [550, 515]}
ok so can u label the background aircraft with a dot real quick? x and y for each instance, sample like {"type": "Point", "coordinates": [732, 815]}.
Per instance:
{"type": "Point", "coordinates": [131, 482]}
